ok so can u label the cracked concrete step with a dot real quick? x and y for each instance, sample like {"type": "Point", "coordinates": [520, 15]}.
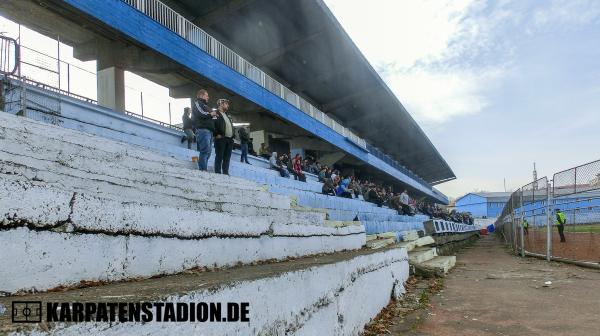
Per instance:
{"type": "Point", "coordinates": [408, 245]}
{"type": "Point", "coordinates": [43, 205]}
{"type": "Point", "coordinates": [329, 284]}
{"type": "Point", "coordinates": [131, 189]}
{"type": "Point", "coordinates": [424, 241]}
{"type": "Point", "coordinates": [102, 170]}
{"type": "Point", "coordinates": [68, 143]}
{"type": "Point", "coordinates": [439, 265]}
{"type": "Point", "coordinates": [45, 259]}
{"type": "Point", "coordinates": [24, 203]}
{"type": "Point", "coordinates": [129, 194]}
{"type": "Point", "coordinates": [421, 254]}
{"type": "Point", "coordinates": [380, 242]}
{"type": "Point", "coordinates": [410, 235]}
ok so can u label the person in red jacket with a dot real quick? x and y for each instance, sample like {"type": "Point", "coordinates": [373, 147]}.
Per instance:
{"type": "Point", "coordinates": [297, 166]}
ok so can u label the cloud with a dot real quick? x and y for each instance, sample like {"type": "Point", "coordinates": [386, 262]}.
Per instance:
{"type": "Point", "coordinates": [434, 96]}
{"type": "Point", "coordinates": [567, 14]}
{"type": "Point", "coordinates": [434, 55]}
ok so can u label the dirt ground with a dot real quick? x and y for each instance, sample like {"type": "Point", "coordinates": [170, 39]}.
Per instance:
{"type": "Point", "coordinates": [582, 246]}
{"type": "Point", "coordinates": [492, 292]}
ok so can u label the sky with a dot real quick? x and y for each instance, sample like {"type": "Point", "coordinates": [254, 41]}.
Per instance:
{"type": "Point", "coordinates": [496, 85]}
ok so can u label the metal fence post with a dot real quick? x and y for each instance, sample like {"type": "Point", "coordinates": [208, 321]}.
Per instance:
{"type": "Point", "coordinates": [549, 210]}
{"type": "Point", "coordinates": [521, 231]}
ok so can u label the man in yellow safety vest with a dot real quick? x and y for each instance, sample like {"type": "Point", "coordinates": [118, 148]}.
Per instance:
{"type": "Point", "coordinates": [561, 220]}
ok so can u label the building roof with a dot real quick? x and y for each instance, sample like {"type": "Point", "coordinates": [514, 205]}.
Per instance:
{"type": "Point", "coordinates": [494, 195]}
{"type": "Point", "coordinates": [303, 45]}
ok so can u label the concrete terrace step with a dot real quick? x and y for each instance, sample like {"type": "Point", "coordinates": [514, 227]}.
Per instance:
{"type": "Point", "coordinates": [380, 243]}
{"type": "Point", "coordinates": [66, 161]}
{"type": "Point", "coordinates": [55, 238]}
{"type": "Point", "coordinates": [24, 131]}
{"type": "Point", "coordinates": [420, 255]}
{"type": "Point", "coordinates": [374, 227]}
{"type": "Point", "coordinates": [272, 178]}
{"type": "Point", "coordinates": [91, 209]}
{"type": "Point", "coordinates": [439, 265]}
{"type": "Point", "coordinates": [330, 287]}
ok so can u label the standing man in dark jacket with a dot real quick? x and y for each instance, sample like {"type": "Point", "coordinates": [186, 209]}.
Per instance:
{"type": "Point", "coordinates": [244, 140]}
{"type": "Point", "coordinates": [203, 118]}
{"type": "Point", "coordinates": [188, 127]}
{"type": "Point", "coordinates": [223, 138]}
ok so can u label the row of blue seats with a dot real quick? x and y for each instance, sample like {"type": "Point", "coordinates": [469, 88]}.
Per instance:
{"type": "Point", "coordinates": [374, 227]}
{"type": "Point", "coordinates": [271, 177]}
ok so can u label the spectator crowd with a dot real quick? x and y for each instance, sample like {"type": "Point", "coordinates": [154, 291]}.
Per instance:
{"type": "Point", "coordinates": [213, 127]}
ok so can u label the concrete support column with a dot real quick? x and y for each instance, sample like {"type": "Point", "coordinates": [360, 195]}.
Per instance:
{"type": "Point", "coordinates": [111, 88]}
{"type": "Point", "coordinates": [259, 137]}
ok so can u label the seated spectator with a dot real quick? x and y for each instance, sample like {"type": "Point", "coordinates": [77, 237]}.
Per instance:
{"type": "Point", "coordinates": [328, 173]}
{"type": "Point", "coordinates": [328, 186]}
{"type": "Point", "coordinates": [334, 174]}
{"type": "Point", "coordinates": [276, 164]}
{"type": "Point", "coordinates": [322, 174]}
{"type": "Point", "coordinates": [264, 151]}
{"type": "Point", "coordinates": [375, 196]}
{"type": "Point", "coordinates": [297, 168]}
{"type": "Point", "coordinates": [395, 203]}
{"type": "Point", "coordinates": [342, 190]}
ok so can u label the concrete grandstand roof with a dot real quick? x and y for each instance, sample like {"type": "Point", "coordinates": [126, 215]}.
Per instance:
{"type": "Point", "coordinates": [303, 45]}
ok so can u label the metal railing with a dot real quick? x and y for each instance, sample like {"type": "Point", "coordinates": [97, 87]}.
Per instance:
{"type": "Point", "coordinates": [178, 24]}
{"type": "Point", "coordinates": [53, 74]}
{"type": "Point", "coordinates": [530, 222]}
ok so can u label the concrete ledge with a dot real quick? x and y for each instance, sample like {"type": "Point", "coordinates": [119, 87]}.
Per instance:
{"type": "Point", "coordinates": [334, 294]}
{"type": "Point", "coordinates": [420, 255]}
{"type": "Point", "coordinates": [43, 260]}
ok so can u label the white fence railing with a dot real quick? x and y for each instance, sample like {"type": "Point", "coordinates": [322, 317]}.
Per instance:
{"type": "Point", "coordinates": [194, 34]}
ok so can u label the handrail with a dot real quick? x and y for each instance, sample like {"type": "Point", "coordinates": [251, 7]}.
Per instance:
{"type": "Point", "coordinates": [178, 24]}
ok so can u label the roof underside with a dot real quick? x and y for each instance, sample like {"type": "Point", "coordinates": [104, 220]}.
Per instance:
{"type": "Point", "coordinates": [301, 44]}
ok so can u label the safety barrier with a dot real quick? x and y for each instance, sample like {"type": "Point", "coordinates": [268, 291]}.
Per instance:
{"type": "Point", "coordinates": [439, 226]}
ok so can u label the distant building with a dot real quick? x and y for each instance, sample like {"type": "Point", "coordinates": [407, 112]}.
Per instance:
{"type": "Point", "coordinates": [483, 204]}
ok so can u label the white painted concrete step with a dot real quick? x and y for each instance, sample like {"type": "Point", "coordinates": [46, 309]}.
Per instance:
{"type": "Point", "coordinates": [420, 255]}
{"type": "Point", "coordinates": [309, 296]}
{"type": "Point", "coordinates": [424, 241]}
{"type": "Point", "coordinates": [408, 245]}
{"type": "Point", "coordinates": [440, 264]}
{"type": "Point", "coordinates": [380, 242]}
{"type": "Point", "coordinates": [25, 131]}
{"type": "Point", "coordinates": [410, 235]}
{"type": "Point", "coordinates": [91, 168]}
{"type": "Point", "coordinates": [18, 176]}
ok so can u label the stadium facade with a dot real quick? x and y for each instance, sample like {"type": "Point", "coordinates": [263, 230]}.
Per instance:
{"type": "Point", "coordinates": [289, 68]}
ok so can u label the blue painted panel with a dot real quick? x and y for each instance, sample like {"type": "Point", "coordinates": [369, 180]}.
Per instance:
{"type": "Point", "coordinates": [144, 30]}
{"type": "Point", "coordinates": [474, 204]}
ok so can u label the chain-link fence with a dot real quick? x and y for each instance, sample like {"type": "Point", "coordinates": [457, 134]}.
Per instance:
{"type": "Point", "coordinates": [558, 220]}
{"type": "Point", "coordinates": [577, 195]}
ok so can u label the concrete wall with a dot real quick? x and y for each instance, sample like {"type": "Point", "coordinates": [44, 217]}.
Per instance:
{"type": "Point", "coordinates": [331, 299]}
{"type": "Point", "coordinates": [474, 204]}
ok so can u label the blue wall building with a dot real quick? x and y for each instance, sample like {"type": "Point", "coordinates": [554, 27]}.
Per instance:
{"type": "Point", "coordinates": [483, 204]}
